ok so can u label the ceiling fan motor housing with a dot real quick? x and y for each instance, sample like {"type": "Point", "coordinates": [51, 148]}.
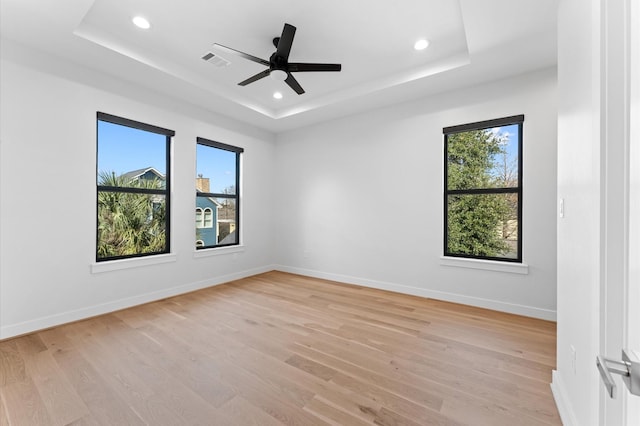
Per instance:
{"type": "Point", "coordinates": [278, 62]}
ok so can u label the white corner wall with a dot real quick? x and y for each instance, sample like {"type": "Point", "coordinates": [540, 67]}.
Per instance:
{"type": "Point", "coordinates": [48, 195]}
{"type": "Point", "coordinates": [576, 388]}
{"type": "Point", "coordinates": [590, 180]}
{"type": "Point", "coordinates": [359, 199]}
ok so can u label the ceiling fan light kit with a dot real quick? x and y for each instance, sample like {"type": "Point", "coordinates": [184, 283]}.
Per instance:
{"type": "Point", "coordinates": [278, 75]}
{"type": "Point", "coordinates": [279, 67]}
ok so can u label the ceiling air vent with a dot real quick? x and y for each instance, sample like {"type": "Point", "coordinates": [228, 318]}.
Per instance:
{"type": "Point", "coordinates": [216, 60]}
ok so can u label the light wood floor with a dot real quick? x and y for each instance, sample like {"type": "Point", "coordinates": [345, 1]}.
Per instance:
{"type": "Point", "coordinates": [284, 349]}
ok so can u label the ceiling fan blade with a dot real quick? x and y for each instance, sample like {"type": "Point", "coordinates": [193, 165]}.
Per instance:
{"type": "Point", "coordinates": [256, 77]}
{"type": "Point", "coordinates": [286, 40]}
{"type": "Point", "coordinates": [242, 54]}
{"type": "Point", "coordinates": [293, 83]}
{"type": "Point", "coordinates": [301, 67]}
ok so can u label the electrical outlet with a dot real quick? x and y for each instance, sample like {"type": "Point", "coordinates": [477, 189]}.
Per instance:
{"type": "Point", "coordinates": [573, 359]}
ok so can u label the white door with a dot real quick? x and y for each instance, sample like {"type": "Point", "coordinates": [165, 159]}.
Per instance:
{"type": "Point", "coordinates": [620, 295]}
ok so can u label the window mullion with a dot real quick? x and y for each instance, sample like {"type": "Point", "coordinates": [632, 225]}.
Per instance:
{"type": "Point", "coordinates": [484, 191]}
{"type": "Point", "coordinates": [132, 190]}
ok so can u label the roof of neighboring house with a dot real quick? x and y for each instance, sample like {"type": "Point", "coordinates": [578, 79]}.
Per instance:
{"type": "Point", "coordinates": [229, 239]}
{"type": "Point", "coordinates": [137, 173]}
{"type": "Point", "coordinates": [134, 174]}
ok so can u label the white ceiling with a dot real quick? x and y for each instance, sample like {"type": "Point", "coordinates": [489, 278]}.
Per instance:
{"type": "Point", "coordinates": [471, 41]}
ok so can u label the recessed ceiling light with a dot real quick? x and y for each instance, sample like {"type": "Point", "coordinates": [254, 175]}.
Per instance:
{"type": "Point", "coordinates": [277, 95]}
{"type": "Point", "coordinates": [421, 44]}
{"type": "Point", "coordinates": [141, 22]}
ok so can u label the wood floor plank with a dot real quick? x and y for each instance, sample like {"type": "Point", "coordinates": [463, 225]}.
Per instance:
{"type": "Point", "coordinates": [24, 405]}
{"type": "Point", "coordinates": [283, 349]}
{"type": "Point", "coordinates": [428, 373]}
{"type": "Point", "coordinates": [30, 344]}
{"type": "Point", "coordinates": [332, 414]}
{"type": "Point", "coordinates": [441, 369]}
{"type": "Point", "coordinates": [274, 401]}
{"type": "Point", "coordinates": [63, 403]}
{"type": "Point", "coordinates": [275, 396]}
{"type": "Point", "coordinates": [165, 392]}
{"type": "Point", "coordinates": [88, 420]}
{"type": "Point", "coordinates": [185, 365]}
{"type": "Point", "coordinates": [106, 406]}
{"type": "Point", "coordinates": [11, 364]}
{"type": "Point", "coordinates": [4, 421]}
{"type": "Point", "coordinates": [242, 412]}
{"type": "Point", "coordinates": [388, 418]}
{"type": "Point", "coordinates": [117, 368]}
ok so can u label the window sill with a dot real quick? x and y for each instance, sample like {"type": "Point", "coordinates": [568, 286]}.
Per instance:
{"type": "Point", "coordinates": [486, 265]}
{"type": "Point", "coordinates": [217, 251]}
{"type": "Point", "coordinates": [115, 265]}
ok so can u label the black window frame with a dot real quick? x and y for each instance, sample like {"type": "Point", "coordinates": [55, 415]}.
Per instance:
{"type": "Point", "coordinates": [483, 125]}
{"type": "Point", "coordinates": [236, 197]}
{"type": "Point", "coordinates": [166, 192]}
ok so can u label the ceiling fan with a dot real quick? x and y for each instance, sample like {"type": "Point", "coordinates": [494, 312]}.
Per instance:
{"type": "Point", "coordinates": [279, 65]}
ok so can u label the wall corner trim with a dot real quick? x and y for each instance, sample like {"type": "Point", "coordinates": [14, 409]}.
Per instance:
{"type": "Point", "coordinates": [562, 401]}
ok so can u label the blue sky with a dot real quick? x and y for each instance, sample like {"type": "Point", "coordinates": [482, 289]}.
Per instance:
{"type": "Point", "coordinates": [510, 133]}
{"type": "Point", "coordinates": [218, 165]}
{"type": "Point", "coordinates": [122, 149]}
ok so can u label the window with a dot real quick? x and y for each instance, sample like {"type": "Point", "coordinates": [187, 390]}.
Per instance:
{"type": "Point", "coordinates": [208, 218]}
{"type": "Point", "coordinates": [483, 190]}
{"type": "Point", "coordinates": [133, 188]}
{"type": "Point", "coordinates": [199, 218]}
{"type": "Point", "coordinates": [217, 194]}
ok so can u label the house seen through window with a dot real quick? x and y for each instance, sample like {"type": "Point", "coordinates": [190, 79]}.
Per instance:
{"type": "Point", "coordinates": [483, 190]}
{"type": "Point", "coordinates": [217, 207]}
{"type": "Point", "coordinates": [133, 188]}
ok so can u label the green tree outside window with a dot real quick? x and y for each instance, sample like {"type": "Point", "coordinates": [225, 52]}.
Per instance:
{"type": "Point", "coordinates": [483, 192]}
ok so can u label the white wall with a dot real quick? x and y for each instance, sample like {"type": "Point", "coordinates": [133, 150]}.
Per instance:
{"type": "Point", "coordinates": [359, 199]}
{"type": "Point", "coordinates": [592, 167]}
{"type": "Point", "coordinates": [48, 195]}
{"type": "Point", "coordinates": [576, 389]}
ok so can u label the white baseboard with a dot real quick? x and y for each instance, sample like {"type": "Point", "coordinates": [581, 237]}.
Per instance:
{"type": "Point", "coordinates": [30, 326]}
{"type": "Point", "coordinates": [562, 402]}
{"type": "Point", "coordinates": [495, 305]}
{"type": "Point", "coordinates": [12, 330]}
